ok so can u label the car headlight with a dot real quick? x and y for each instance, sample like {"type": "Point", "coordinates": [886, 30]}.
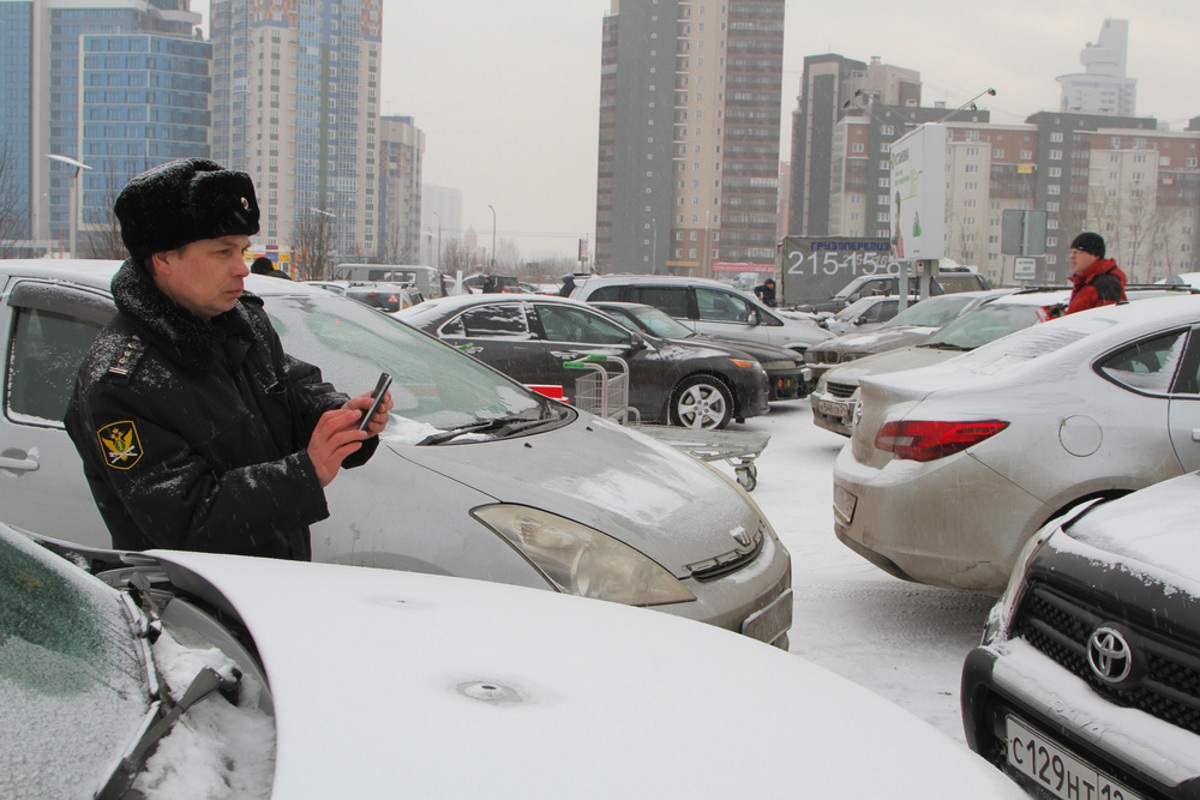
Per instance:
{"type": "Point", "coordinates": [579, 560]}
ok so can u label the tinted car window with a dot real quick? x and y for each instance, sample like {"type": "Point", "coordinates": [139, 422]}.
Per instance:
{"type": "Point", "coordinates": [671, 299]}
{"type": "Point", "coordinates": [1147, 366]}
{"type": "Point", "coordinates": [984, 325]}
{"type": "Point", "coordinates": [723, 306]}
{"type": "Point", "coordinates": [933, 312]}
{"type": "Point", "coordinates": [606, 293]}
{"type": "Point", "coordinates": [565, 324]}
{"type": "Point", "coordinates": [506, 321]}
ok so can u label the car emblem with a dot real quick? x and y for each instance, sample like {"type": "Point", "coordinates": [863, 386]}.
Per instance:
{"type": "Point", "coordinates": [742, 537]}
{"type": "Point", "coordinates": [1110, 656]}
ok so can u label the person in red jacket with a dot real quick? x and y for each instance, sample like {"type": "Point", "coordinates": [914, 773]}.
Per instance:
{"type": "Point", "coordinates": [1097, 280]}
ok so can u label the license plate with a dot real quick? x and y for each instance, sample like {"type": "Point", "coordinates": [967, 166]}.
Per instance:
{"type": "Point", "coordinates": [844, 503]}
{"type": "Point", "coordinates": [768, 624]}
{"type": "Point", "coordinates": [831, 408]}
{"type": "Point", "coordinates": [1057, 771]}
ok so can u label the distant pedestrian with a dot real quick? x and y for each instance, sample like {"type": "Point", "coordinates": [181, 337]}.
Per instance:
{"type": "Point", "coordinates": [265, 266]}
{"type": "Point", "coordinates": [568, 286]}
{"type": "Point", "coordinates": [1096, 280]}
{"type": "Point", "coordinates": [766, 292]}
{"type": "Point", "coordinates": [489, 285]}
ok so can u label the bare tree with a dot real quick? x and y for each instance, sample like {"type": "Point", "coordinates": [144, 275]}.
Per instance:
{"type": "Point", "coordinates": [103, 239]}
{"type": "Point", "coordinates": [312, 247]}
{"type": "Point", "coordinates": [456, 255]}
{"type": "Point", "coordinates": [12, 208]}
{"type": "Point", "coordinates": [507, 256]}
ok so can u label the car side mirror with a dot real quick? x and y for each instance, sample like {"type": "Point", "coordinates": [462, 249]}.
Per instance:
{"type": "Point", "coordinates": [753, 318]}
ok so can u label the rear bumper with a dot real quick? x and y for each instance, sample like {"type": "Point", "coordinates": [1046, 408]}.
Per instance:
{"type": "Point", "coordinates": [1152, 757]}
{"type": "Point", "coordinates": [951, 522]}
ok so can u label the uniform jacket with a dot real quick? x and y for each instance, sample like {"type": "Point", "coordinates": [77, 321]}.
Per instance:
{"type": "Point", "coordinates": [1101, 284]}
{"type": "Point", "coordinates": [193, 433]}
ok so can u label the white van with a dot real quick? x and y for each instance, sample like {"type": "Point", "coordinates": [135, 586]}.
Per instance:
{"type": "Point", "coordinates": [425, 280]}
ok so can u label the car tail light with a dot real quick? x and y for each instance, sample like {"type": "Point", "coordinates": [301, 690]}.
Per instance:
{"type": "Point", "coordinates": [921, 440]}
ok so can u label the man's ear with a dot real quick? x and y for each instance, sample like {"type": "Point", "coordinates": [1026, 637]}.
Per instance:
{"type": "Point", "coordinates": [160, 263]}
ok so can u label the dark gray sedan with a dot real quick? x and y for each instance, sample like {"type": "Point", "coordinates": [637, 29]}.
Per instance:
{"type": "Point", "coordinates": [531, 337]}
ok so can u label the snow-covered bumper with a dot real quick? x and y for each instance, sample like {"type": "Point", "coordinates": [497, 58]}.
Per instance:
{"type": "Point", "coordinates": [833, 412]}
{"type": "Point", "coordinates": [1046, 728]}
{"type": "Point", "coordinates": [950, 522]}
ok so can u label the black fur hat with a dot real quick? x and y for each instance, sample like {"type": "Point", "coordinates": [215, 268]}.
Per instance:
{"type": "Point", "coordinates": [1089, 242]}
{"type": "Point", "coordinates": [184, 201]}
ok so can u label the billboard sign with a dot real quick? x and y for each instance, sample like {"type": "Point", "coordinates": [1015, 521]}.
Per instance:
{"type": "Point", "coordinates": [813, 268]}
{"type": "Point", "coordinates": [918, 190]}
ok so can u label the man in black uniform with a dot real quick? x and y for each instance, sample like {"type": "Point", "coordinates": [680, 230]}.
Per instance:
{"type": "Point", "coordinates": [196, 430]}
{"type": "Point", "coordinates": [765, 292]}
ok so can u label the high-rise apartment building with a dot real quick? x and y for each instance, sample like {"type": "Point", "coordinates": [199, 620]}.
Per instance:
{"type": "Point", "coordinates": [120, 85]}
{"type": "Point", "coordinates": [689, 135]}
{"type": "Point", "coordinates": [296, 104]}
{"type": "Point", "coordinates": [1102, 88]}
{"type": "Point", "coordinates": [441, 219]}
{"type": "Point", "coordinates": [401, 155]}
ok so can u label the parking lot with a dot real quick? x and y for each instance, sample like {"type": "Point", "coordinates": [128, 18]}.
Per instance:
{"type": "Point", "coordinates": [905, 641]}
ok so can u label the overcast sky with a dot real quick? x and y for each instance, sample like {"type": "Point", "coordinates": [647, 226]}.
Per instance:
{"type": "Point", "coordinates": [507, 93]}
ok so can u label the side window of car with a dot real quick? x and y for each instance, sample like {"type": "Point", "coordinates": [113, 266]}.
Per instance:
{"type": "Point", "coordinates": [724, 306]}
{"type": "Point", "coordinates": [612, 293]}
{"type": "Point", "coordinates": [575, 325]}
{"type": "Point", "coordinates": [500, 321]}
{"type": "Point", "coordinates": [45, 353]}
{"type": "Point", "coordinates": [1147, 366]}
{"type": "Point", "coordinates": [670, 299]}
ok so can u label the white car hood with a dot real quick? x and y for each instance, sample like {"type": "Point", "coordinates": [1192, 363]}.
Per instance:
{"type": "Point", "coordinates": [398, 684]}
{"type": "Point", "coordinates": [651, 496]}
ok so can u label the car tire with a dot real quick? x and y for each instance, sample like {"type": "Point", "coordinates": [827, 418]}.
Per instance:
{"type": "Point", "coordinates": [703, 402]}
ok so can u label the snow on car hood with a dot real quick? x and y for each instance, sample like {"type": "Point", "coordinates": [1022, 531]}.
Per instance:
{"type": "Point", "coordinates": [1152, 531]}
{"type": "Point", "coordinates": [389, 683]}
{"type": "Point", "coordinates": [880, 339]}
{"type": "Point", "coordinates": [666, 504]}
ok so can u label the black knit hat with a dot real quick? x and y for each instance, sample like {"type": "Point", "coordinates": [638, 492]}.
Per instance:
{"type": "Point", "coordinates": [1089, 242]}
{"type": "Point", "coordinates": [184, 201]}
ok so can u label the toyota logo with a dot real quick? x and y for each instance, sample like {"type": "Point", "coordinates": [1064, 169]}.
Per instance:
{"type": "Point", "coordinates": [1110, 656]}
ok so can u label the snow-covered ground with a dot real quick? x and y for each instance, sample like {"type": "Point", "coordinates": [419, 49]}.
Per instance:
{"type": "Point", "coordinates": [905, 641]}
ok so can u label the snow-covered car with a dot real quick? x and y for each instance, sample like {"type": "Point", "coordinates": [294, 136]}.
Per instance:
{"type": "Point", "coordinates": [952, 468]}
{"type": "Point", "coordinates": [910, 327]}
{"type": "Point", "coordinates": [835, 396]}
{"type": "Point", "coordinates": [949, 279]}
{"type": "Point", "coordinates": [1087, 683]}
{"type": "Point", "coordinates": [706, 306]}
{"type": "Point", "coordinates": [476, 476]}
{"type": "Point", "coordinates": [204, 675]}
{"type": "Point", "coordinates": [534, 338]}
{"type": "Point", "coordinates": [786, 373]}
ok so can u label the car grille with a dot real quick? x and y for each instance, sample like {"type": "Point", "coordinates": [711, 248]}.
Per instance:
{"type": "Point", "coordinates": [842, 390]}
{"type": "Point", "coordinates": [718, 566]}
{"type": "Point", "coordinates": [1059, 626]}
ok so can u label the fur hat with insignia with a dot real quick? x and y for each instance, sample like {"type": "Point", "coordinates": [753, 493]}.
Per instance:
{"type": "Point", "coordinates": [184, 201]}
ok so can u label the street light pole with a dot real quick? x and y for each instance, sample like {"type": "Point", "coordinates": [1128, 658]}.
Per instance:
{"type": "Point", "coordinates": [438, 259]}
{"type": "Point", "coordinates": [78, 166]}
{"type": "Point", "coordinates": [493, 238]}
{"type": "Point", "coordinates": [654, 247]}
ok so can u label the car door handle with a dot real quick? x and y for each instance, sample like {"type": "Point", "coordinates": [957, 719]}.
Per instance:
{"type": "Point", "coordinates": [26, 464]}
{"type": "Point", "coordinates": [1196, 434]}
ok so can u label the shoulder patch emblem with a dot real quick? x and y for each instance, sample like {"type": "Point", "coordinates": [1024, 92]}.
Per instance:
{"type": "Point", "coordinates": [120, 444]}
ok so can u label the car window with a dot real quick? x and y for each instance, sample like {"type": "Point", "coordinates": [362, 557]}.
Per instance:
{"type": "Point", "coordinates": [660, 323]}
{"type": "Point", "coordinates": [933, 312]}
{"type": "Point", "coordinates": [74, 684]}
{"type": "Point", "coordinates": [983, 325]}
{"type": "Point", "coordinates": [1147, 366]}
{"type": "Point", "coordinates": [503, 320]}
{"type": "Point", "coordinates": [606, 293]}
{"type": "Point", "coordinates": [961, 281]}
{"type": "Point", "coordinates": [714, 304]}
{"type": "Point", "coordinates": [577, 325]}
{"type": "Point", "coordinates": [46, 350]}
{"type": "Point", "coordinates": [671, 299]}
{"type": "Point", "coordinates": [435, 386]}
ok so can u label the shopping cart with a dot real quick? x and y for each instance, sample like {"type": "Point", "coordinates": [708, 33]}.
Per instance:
{"type": "Point", "coordinates": [605, 393]}
{"type": "Point", "coordinates": [602, 391]}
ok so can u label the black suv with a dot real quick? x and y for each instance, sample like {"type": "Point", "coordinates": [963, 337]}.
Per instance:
{"type": "Point", "coordinates": [1087, 684]}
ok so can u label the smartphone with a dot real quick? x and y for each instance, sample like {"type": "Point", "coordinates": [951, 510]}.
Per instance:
{"type": "Point", "coordinates": [381, 387]}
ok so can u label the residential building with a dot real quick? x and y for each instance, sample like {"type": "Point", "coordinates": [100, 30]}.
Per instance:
{"type": "Point", "coordinates": [441, 220]}
{"type": "Point", "coordinates": [296, 104]}
{"type": "Point", "coordinates": [1102, 88]}
{"type": "Point", "coordinates": [401, 155]}
{"type": "Point", "coordinates": [689, 135]}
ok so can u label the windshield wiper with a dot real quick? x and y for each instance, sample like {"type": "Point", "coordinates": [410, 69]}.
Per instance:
{"type": "Point", "coordinates": [500, 426]}
{"type": "Point", "coordinates": [946, 346]}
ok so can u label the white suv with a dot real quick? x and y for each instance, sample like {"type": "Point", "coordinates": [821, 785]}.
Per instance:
{"type": "Point", "coordinates": [706, 306]}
